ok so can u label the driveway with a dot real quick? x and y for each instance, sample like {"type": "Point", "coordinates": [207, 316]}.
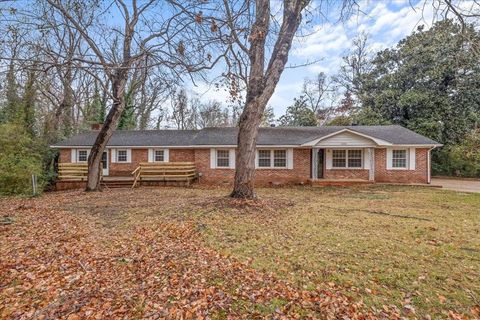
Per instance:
{"type": "Point", "coordinates": [458, 184]}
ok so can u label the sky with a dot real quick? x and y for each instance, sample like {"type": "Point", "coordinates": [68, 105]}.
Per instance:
{"type": "Point", "coordinates": [385, 22]}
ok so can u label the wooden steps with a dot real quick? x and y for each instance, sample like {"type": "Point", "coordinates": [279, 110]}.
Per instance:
{"type": "Point", "coordinates": [113, 183]}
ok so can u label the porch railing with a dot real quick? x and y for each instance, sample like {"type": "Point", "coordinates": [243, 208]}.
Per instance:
{"type": "Point", "coordinates": [163, 172]}
{"type": "Point", "coordinates": [72, 171]}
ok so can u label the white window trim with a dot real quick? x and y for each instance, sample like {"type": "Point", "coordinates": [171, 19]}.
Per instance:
{"type": "Point", "coordinates": [213, 158]}
{"type": "Point", "coordinates": [288, 159]}
{"type": "Point", "coordinates": [128, 152]}
{"type": "Point", "coordinates": [165, 155]}
{"type": "Point", "coordinates": [78, 154]}
{"type": "Point", "coordinates": [390, 159]}
{"type": "Point", "coordinates": [216, 159]}
{"type": "Point", "coordinates": [361, 167]}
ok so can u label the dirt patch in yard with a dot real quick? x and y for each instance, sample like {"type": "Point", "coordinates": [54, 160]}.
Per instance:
{"type": "Point", "coordinates": [265, 205]}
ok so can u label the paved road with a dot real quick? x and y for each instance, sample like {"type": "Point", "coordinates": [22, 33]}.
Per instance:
{"type": "Point", "coordinates": [458, 184]}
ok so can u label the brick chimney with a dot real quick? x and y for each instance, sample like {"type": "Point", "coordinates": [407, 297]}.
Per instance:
{"type": "Point", "coordinates": [96, 126]}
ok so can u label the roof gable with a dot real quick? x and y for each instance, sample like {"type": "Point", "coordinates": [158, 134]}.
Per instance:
{"type": "Point", "coordinates": [347, 137]}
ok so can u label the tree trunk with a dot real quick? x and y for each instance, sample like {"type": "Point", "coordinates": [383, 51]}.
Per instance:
{"type": "Point", "coordinates": [110, 124]}
{"type": "Point", "coordinates": [245, 159]}
{"type": "Point", "coordinates": [261, 87]}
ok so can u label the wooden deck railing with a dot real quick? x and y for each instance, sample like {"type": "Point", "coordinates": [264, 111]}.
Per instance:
{"type": "Point", "coordinates": [72, 171]}
{"type": "Point", "coordinates": [167, 171]}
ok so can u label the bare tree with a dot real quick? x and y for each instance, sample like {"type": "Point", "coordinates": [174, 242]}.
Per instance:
{"type": "Point", "coordinates": [212, 114]}
{"type": "Point", "coordinates": [181, 113]}
{"type": "Point", "coordinates": [356, 64]}
{"type": "Point", "coordinates": [116, 51]}
{"type": "Point", "coordinates": [261, 83]}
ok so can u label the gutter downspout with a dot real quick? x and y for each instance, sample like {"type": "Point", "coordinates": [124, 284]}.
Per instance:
{"type": "Point", "coordinates": [429, 165]}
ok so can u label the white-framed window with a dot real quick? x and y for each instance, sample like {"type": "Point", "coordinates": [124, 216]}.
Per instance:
{"type": "Point", "coordinates": [264, 158]}
{"type": "Point", "coordinates": [280, 158]}
{"type": "Point", "coordinates": [159, 155]}
{"type": "Point", "coordinates": [272, 158]}
{"type": "Point", "coordinates": [223, 158]}
{"type": "Point", "coordinates": [82, 155]}
{"type": "Point", "coordinates": [354, 158]}
{"type": "Point", "coordinates": [122, 155]}
{"type": "Point", "coordinates": [348, 159]}
{"type": "Point", "coordinates": [399, 159]}
{"type": "Point", "coordinates": [339, 158]}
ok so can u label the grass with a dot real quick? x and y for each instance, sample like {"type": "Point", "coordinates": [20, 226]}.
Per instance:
{"type": "Point", "coordinates": [413, 247]}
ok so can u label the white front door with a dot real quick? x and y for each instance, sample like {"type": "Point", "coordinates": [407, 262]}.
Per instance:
{"type": "Point", "coordinates": [105, 163]}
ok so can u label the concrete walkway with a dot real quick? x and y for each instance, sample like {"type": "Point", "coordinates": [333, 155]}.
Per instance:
{"type": "Point", "coordinates": [458, 184]}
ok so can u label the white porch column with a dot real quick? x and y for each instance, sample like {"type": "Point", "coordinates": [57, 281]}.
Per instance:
{"type": "Point", "coordinates": [371, 173]}
{"type": "Point", "coordinates": [314, 163]}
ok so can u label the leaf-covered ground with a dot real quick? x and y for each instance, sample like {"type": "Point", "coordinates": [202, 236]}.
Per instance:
{"type": "Point", "coordinates": [167, 253]}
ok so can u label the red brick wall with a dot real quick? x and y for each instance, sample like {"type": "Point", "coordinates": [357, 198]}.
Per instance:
{"type": "Point", "coordinates": [346, 174]}
{"type": "Point", "coordinates": [65, 156]}
{"type": "Point", "coordinates": [299, 174]}
{"type": "Point", "coordinates": [125, 169]}
{"type": "Point", "coordinates": [181, 155]}
{"type": "Point", "coordinates": [419, 175]}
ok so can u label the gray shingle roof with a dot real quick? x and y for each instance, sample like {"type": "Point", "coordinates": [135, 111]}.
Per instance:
{"type": "Point", "coordinates": [228, 136]}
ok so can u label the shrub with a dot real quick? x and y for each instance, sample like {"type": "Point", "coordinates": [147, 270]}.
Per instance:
{"type": "Point", "coordinates": [19, 159]}
{"type": "Point", "coordinates": [461, 160]}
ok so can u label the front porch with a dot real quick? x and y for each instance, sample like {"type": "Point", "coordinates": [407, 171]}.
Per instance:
{"type": "Point", "coordinates": [342, 166]}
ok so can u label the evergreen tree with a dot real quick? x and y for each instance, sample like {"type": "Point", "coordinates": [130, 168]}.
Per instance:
{"type": "Point", "coordinates": [96, 110]}
{"type": "Point", "coordinates": [28, 104]}
{"type": "Point", "coordinates": [429, 83]}
{"type": "Point", "coordinates": [11, 108]}
{"type": "Point", "coordinates": [127, 119]}
{"type": "Point", "coordinates": [298, 114]}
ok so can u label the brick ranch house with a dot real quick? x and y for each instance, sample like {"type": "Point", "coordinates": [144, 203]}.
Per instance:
{"type": "Point", "coordinates": [285, 155]}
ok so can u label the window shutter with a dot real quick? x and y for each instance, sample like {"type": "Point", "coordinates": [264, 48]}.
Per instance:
{"type": "Point", "coordinates": [73, 155]}
{"type": "Point", "coordinates": [256, 158]}
{"type": "Point", "coordinates": [166, 155]}
{"type": "Point", "coordinates": [114, 156]}
{"type": "Point", "coordinates": [290, 158]}
{"type": "Point", "coordinates": [213, 159]}
{"type": "Point", "coordinates": [231, 158]}
{"type": "Point", "coordinates": [150, 155]}
{"type": "Point", "coordinates": [328, 158]}
{"type": "Point", "coordinates": [129, 155]}
{"type": "Point", "coordinates": [389, 159]}
{"type": "Point", "coordinates": [411, 160]}
{"type": "Point", "coordinates": [366, 158]}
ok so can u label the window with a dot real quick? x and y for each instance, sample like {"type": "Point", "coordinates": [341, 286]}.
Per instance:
{"type": "Point", "coordinates": [159, 156]}
{"type": "Point", "coordinates": [338, 158]}
{"type": "Point", "coordinates": [280, 158]}
{"type": "Point", "coordinates": [121, 155]}
{"type": "Point", "coordinates": [223, 158]}
{"type": "Point", "coordinates": [264, 158]}
{"type": "Point", "coordinates": [399, 158]}
{"type": "Point", "coordinates": [82, 156]}
{"type": "Point", "coordinates": [347, 158]}
{"type": "Point", "coordinates": [272, 158]}
{"type": "Point", "coordinates": [354, 158]}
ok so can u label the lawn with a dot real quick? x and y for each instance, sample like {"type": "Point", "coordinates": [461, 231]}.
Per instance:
{"type": "Point", "coordinates": [298, 252]}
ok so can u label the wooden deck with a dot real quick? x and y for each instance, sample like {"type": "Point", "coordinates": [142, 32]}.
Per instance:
{"type": "Point", "coordinates": [74, 175]}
